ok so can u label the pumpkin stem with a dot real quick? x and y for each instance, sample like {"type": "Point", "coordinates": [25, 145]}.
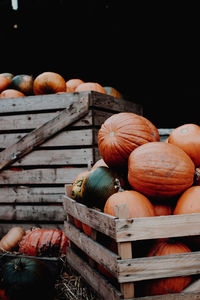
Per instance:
{"type": "Point", "coordinates": [197, 177]}
{"type": "Point", "coordinates": [117, 185]}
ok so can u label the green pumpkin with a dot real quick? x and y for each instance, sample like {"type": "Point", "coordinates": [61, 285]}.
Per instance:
{"type": "Point", "coordinates": [27, 278]}
{"type": "Point", "coordinates": [100, 184]}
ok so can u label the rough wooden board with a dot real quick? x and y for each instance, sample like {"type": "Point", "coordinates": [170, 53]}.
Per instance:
{"type": "Point", "coordinates": [157, 227]}
{"type": "Point", "coordinates": [94, 279]}
{"type": "Point", "coordinates": [177, 296]}
{"type": "Point", "coordinates": [182, 264]}
{"type": "Point", "coordinates": [97, 220]}
{"type": "Point", "coordinates": [27, 194]}
{"type": "Point", "coordinates": [193, 287]}
{"type": "Point", "coordinates": [96, 251]}
{"type": "Point", "coordinates": [64, 138]}
{"type": "Point", "coordinates": [33, 213]}
{"type": "Point", "coordinates": [41, 176]}
{"type": "Point", "coordinates": [69, 115]}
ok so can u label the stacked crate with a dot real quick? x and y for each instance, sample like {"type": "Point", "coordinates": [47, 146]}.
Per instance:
{"type": "Point", "coordinates": [32, 176]}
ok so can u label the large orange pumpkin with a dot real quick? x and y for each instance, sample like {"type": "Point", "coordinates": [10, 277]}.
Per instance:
{"type": "Point", "coordinates": [160, 170]}
{"type": "Point", "coordinates": [90, 86]}
{"type": "Point", "coordinates": [49, 83]}
{"type": "Point", "coordinates": [121, 133]}
{"type": "Point", "coordinates": [167, 285]}
{"type": "Point", "coordinates": [138, 205]}
{"type": "Point", "coordinates": [72, 84]}
{"type": "Point", "coordinates": [11, 93]}
{"type": "Point", "coordinates": [189, 202]}
{"type": "Point", "coordinates": [187, 137]}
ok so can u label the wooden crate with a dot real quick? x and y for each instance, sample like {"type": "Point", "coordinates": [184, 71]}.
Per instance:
{"type": "Point", "coordinates": [130, 271]}
{"type": "Point", "coordinates": [45, 141]}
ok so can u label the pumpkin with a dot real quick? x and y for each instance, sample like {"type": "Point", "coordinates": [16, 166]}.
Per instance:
{"type": "Point", "coordinates": [23, 83]}
{"type": "Point", "coordinates": [160, 170]}
{"type": "Point", "coordinates": [77, 185]}
{"type": "Point", "coordinates": [167, 285]}
{"type": "Point", "coordinates": [49, 83]}
{"type": "Point", "coordinates": [12, 238]}
{"type": "Point", "coordinates": [4, 82]}
{"type": "Point", "coordinates": [11, 93]}
{"type": "Point", "coordinates": [188, 202]}
{"type": "Point", "coordinates": [138, 205]}
{"type": "Point", "coordinates": [121, 133]}
{"type": "Point", "coordinates": [77, 223]}
{"type": "Point", "coordinates": [8, 75]}
{"type": "Point", "coordinates": [112, 92]}
{"type": "Point", "coordinates": [99, 184]}
{"type": "Point", "coordinates": [43, 242]}
{"type": "Point", "coordinates": [90, 86]}
{"type": "Point", "coordinates": [27, 278]}
{"type": "Point", "coordinates": [162, 209]}
{"type": "Point", "coordinates": [99, 163]}
{"type": "Point", "coordinates": [72, 84]}
{"type": "Point", "coordinates": [187, 137]}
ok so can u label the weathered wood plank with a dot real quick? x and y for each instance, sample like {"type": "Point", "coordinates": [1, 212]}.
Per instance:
{"type": "Point", "coordinates": [177, 296]}
{"type": "Point", "coordinates": [72, 113]}
{"type": "Point", "coordinates": [96, 251]}
{"type": "Point", "coordinates": [26, 194]}
{"type": "Point", "coordinates": [5, 227]}
{"type": "Point", "coordinates": [61, 157]}
{"type": "Point", "coordinates": [64, 138]}
{"type": "Point", "coordinates": [97, 220]}
{"type": "Point", "coordinates": [41, 176]}
{"type": "Point", "coordinates": [193, 287]}
{"type": "Point", "coordinates": [41, 102]}
{"type": "Point", "coordinates": [157, 227]}
{"type": "Point", "coordinates": [94, 279]}
{"type": "Point", "coordinates": [33, 213]}
{"type": "Point", "coordinates": [182, 264]}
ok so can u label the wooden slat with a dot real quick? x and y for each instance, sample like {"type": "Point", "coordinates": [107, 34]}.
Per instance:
{"type": "Point", "coordinates": [26, 194]}
{"type": "Point", "coordinates": [157, 227]}
{"type": "Point", "coordinates": [41, 176]}
{"type": "Point", "coordinates": [57, 157]}
{"type": "Point", "coordinates": [159, 267]}
{"type": "Point", "coordinates": [72, 113]}
{"type": "Point", "coordinates": [97, 220]}
{"type": "Point", "coordinates": [5, 227]}
{"type": "Point", "coordinates": [193, 287]}
{"type": "Point", "coordinates": [33, 213]}
{"type": "Point", "coordinates": [41, 102]}
{"type": "Point", "coordinates": [94, 279]}
{"type": "Point", "coordinates": [96, 251]}
{"type": "Point", "coordinates": [65, 138]}
{"type": "Point", "coordinates": [177, 296]}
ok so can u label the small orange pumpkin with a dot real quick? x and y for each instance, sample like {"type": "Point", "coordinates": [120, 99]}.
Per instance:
{"type": "Point", "coordinates": [90, 86]}
{"type": "Point", "coordinates": [188, 202]}
{"type": "Point", "coordinates": [49, 83]}
{"type": "Point", "coordinates": [11, 93]}
{"type": "Point", "coordinates": [72, 84]}
{"type": "Point", "coordinates": [4, 82]}
{"type": "Point", "coordinates": [160, 170]}
{"type": "Point", "coordinates": [187, 137]}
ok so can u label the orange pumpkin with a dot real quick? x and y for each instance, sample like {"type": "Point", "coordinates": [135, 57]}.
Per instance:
{"type": "Point", "coordinates": [72, 84]}
{"type": "Point", "coordinates": [49, 83]}
{"type": "Point", "coordinates": [138, 205]}
{"type": "Point", "coordinates": [162, 209]}
{"type": "Point", "coordinates": [112, 92]}
{"type": "Point", "coordinates": [160, 170]}
{"type": "Point", "coordinates": [189, 202]}
{"type": "Point", "coordinates": [8, 75]}
{"type": "Point", "coordinates": [23, 83]}
{"type": "Point", "coordinates": [99, 163]}
{"type": "Point", "coordinates": [11, 93]}
{"type": "Point", "coordinates": [121, 133]}
{"type": "Point", "coordinates": [167, 285]}
{"type": "Point", "coordinates": [90, 86]}
{"type": "Point", "coordinates": [187, 137]}
{"type": "Point", "coordinates": [4, 82]}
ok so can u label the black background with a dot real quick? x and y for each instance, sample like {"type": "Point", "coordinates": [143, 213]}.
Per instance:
{"type": "Point", "coordinates": [149, 53]}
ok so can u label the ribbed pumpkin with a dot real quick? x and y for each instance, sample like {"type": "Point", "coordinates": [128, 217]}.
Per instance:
{"type": "Point", "coordinates": [187, 137]}
{"type": "Point", "coordinates": [189, 202]}
{"type": "Point", "coordinates": [27, 278]}
{"type": "Point", "coordinates": [138, 205]}
{"type": "Point", "coordinates": [160, 170]}
{"type": "Point", "coordinates": [167, 285]}
{"type": "Point", "coordinates": [121, 133]}
{"type": "Point", "coordinates": [100, 184]}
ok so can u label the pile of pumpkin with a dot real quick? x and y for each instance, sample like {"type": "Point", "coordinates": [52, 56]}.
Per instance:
{"type": "Point", "coordinates": [25, 277]}
{"type": "Point", "coordinates": [152, 178]}
{"type": "Point", "coordinates": [47, 83]}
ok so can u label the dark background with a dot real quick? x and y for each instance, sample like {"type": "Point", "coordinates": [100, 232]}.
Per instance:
{"type": "Point", "coordinates": [148, 53]}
